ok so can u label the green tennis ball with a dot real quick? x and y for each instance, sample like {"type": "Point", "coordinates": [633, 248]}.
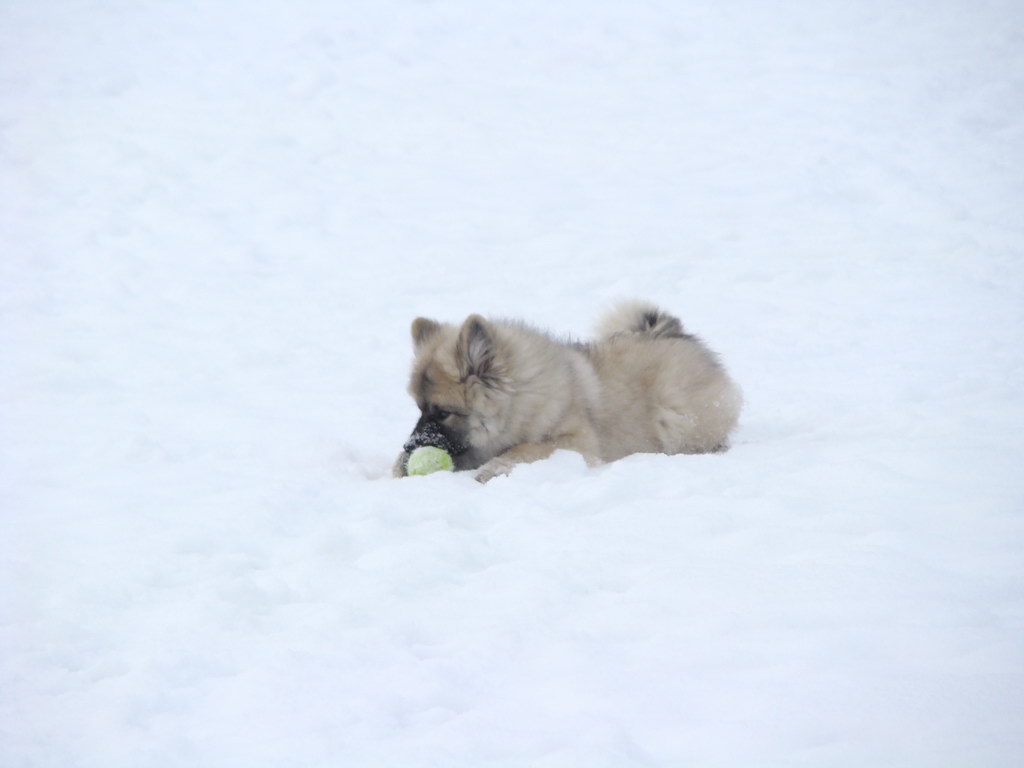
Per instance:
{"type": "Point", "coordinates": [427, 459]}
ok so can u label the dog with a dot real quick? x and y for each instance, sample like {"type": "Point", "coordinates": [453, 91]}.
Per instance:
{"type": "Point", "coordinates": [497, 393]}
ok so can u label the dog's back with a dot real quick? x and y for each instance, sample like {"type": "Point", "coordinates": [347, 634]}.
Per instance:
{"type": "Point", "coordinates": [663, 390]}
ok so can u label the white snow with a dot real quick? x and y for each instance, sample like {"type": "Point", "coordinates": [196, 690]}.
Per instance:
{"type": "Point", "coordinates": [217, 221]}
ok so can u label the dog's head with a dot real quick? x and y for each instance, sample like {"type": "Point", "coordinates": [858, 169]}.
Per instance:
{"type": "Point", "coordinates": [460, 383]}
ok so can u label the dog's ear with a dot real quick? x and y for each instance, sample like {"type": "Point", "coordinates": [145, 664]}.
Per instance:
{"type": "Point", "coordinates": [475, 349]}
{"type": "Point", "coordinates": [422, 330]}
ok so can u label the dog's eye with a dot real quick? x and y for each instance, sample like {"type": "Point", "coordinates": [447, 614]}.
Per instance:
{"type": "Point", "coordinates": [440, 415]}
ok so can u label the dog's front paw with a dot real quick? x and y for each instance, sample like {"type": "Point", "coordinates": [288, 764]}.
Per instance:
{"type": "Point", "coordinates": [399, 469]}
{"type": "Point", "coordinates": [492, 469]}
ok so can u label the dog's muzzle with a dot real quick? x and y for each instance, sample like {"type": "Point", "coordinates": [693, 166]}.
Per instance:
{"type": "Point", "coordinates": [429, 432]}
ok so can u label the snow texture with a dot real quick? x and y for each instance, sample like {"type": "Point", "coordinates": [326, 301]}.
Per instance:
{"type": "Point", "coordinates": [217, 221]}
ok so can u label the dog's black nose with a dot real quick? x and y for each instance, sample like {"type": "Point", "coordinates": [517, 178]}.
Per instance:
{"type": "Point", "coordinates": [429, 432]}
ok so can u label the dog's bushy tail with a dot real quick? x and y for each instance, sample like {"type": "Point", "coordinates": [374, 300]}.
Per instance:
{"type": "Point", "coordinates": [639, 317]}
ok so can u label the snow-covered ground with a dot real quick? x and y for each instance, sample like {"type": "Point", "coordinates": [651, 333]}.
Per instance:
{"type": "Point", "coordinates": [217, 220]}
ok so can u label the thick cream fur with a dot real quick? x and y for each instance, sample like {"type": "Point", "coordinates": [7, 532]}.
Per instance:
{"type": "Point", "coordinates": [631, 391]}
